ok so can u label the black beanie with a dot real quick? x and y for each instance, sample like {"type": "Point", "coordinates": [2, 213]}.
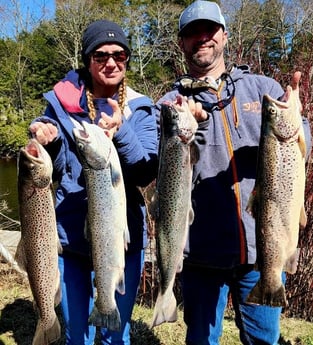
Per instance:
{"type": "Point", "coordinates": [101, 32]}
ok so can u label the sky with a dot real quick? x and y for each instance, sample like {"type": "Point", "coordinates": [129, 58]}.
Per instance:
{"type": "Point", "coordinates": [23, 14]}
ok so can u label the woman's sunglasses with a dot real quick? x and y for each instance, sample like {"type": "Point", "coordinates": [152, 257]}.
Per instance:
{"type": "Point", "coordinates": [103, 57]}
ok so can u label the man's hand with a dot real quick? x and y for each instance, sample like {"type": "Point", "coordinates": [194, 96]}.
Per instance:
{"type": "Point", "coordinates": [197, 110]}
{"type": "Point", "coordinates": [294, 83]}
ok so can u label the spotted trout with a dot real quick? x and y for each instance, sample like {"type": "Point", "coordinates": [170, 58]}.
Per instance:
{"type": "Point", "coordinates": [277, 201]}
{"type": "Point", "coordinates": [107, 222]}
{"type": "Point", "coordinates": [37, 251]}
{"type": "Point", "coordinates": [171, 205]}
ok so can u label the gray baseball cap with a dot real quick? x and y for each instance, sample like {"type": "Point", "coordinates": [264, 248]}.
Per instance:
{"type": "Point", "coordinates": [201, 10]}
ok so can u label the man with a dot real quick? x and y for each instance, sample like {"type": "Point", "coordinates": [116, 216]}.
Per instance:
{"type": "Point", "coordinates": [221, 249]}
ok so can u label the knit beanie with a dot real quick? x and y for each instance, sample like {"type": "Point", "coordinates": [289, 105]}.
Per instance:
{"type": "Point", "coordinates": [101, 32]}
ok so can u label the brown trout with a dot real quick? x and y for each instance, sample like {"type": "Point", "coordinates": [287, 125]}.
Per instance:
{"type": "Point", "coordinates": [277, 201]}
{"type": "Point", "coordinates": [37, 251]}
{"type": "Point", "coordinates": [107, 222]}
{"type": "Point", "coordinates": [171, 206]}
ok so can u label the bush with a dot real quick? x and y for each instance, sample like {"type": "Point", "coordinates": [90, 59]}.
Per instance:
{"type": "Point", "coordinates": [12, 137]}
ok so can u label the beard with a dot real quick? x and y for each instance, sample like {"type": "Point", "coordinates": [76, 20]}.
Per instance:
{"type": "Point", "coordinates": [204, 59]}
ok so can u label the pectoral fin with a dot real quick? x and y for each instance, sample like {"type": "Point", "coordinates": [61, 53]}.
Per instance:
{"type": "Point", "coordinates": [303, 218]}
{"type": "Point", "coordinates": [302, 145]}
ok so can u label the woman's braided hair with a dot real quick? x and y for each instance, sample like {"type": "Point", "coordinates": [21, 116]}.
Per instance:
{"type": "Point", "coordinates": [121, 99]}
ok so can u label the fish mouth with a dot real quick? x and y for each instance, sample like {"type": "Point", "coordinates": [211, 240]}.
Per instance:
{"type": "Point", "coordinates": [32, 151]}
{"type": "Point", "coordinates": [82, 133]}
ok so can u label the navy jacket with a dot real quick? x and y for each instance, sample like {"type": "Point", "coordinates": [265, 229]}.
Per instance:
{"type": "Point", "coordinates": [135, 141]}
{"type": "Point", "coordinates": [223, 232]}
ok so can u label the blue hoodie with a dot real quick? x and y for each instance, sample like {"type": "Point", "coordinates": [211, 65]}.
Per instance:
{"type": "Point", "coordinates": [223, 232]}
{"type": "Point", "coordinates": [135, 141]}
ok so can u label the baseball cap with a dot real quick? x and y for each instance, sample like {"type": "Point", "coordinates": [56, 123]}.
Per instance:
{"type": "Point", "coordinates": [201, 10]}
{"type": "Point", "coordinates": [102, 32]}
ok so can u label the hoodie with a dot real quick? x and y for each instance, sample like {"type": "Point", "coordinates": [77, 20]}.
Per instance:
{"type": "Point", "coordinates": [135, 141]}
{"type": "Point", "coordinates": [222, 234]}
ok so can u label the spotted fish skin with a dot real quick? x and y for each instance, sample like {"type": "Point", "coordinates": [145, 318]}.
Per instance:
{"type": "Point", "coordinates": [277, 202]}
{"type": "Point", "coordinates": [171, 205]}
{"type": "Point", "coordinates": [107, 220]}
{"type": "Point", "coordinates": [37, 251]}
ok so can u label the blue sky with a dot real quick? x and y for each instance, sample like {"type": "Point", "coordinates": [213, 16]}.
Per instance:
{"type": "Point", "coordinates": [30, 11]}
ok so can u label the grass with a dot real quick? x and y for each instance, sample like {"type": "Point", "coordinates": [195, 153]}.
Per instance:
{"type": "Point", "coordinates": [293, 331]}
{"type": "Point", "coordinates": [18, 320]}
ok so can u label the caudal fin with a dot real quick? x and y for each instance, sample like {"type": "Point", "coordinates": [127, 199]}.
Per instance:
{"type": "Point", "coordinates": [47, 336]}
{"type": "Point", "coordinates": [261, 296]}
{"type": "Point", "coordinates": [111, 321]}
{"type": "Point", "coordinates": [165, 309]}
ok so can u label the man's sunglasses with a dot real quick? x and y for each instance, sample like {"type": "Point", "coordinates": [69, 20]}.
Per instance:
{"type": "Point", "coordinates": [103, 57]}
{"type": "Point", "coordinates": [210, 107]}
{"type": "Point", "coordinates": [221, 104]}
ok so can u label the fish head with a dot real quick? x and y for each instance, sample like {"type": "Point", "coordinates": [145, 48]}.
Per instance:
{"type": "Point", "coordinates": [34, 165]}
{"type": "Point", "coordinates": [93, 146]}
{"type": "Point", "coordinates": [177, 119]}
{"type": "Point", "coordinates": [283, 119]}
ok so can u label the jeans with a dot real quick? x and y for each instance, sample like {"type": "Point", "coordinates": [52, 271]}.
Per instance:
{"type": "Point", "coordinates": [205, 294]}
{"type": "Point", "coordinates": [77, 280]}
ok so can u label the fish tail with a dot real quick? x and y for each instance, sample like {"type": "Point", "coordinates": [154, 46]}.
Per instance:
{"type": "Point", "coordinates": [165, 309]}
{"type": "Point", "coordinates": [261, 296]}
{"type": "Point", "coordinates": [111, 321]}
{"type": "Point", "coordinates": [47, 336]}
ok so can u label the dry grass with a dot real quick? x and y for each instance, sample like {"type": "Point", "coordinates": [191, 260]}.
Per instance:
{"type": "Point", "coordinates": [18, 320]}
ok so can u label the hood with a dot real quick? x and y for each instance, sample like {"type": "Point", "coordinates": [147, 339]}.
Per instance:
{"type": "Point", "coordinates": [70, 92]}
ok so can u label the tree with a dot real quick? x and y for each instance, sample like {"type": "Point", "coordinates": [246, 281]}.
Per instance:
{"type": "Point", "coordinates": [156, 57]}
{"type": "Point", "coordinates": [72, 17]}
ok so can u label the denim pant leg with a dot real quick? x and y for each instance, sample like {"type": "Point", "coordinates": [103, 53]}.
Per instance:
{"type": "Point", "coordinates": [258, 325]}
{"type": "Point", "coordinates": [77, 299]}
{"type": "Point", "coordinates": [205, 298]}
{"type": "Point", "coordinates": [133, 268]}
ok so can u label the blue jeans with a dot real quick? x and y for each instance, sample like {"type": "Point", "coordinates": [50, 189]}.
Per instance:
{"type": "Point", "coordinates": [77, 301]}
{"type": "Point", "coordinates": [205, 294]}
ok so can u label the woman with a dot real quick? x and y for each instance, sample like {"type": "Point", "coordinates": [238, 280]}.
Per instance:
{"type": "Point", "coordinates": [98, 93]}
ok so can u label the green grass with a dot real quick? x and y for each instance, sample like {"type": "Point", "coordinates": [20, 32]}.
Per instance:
{"type": "Point", "coordinates": [293, 331]}
{"type": "Point", "coordinates": [18, 320]}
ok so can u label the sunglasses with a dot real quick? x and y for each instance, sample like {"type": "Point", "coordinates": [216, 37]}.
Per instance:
{"type": "Point", "coordinates": [208, 106]}
{"type": "Point", "coordinates": [221, 104]}
{"type": "Point", "coordinates": [103, 57]}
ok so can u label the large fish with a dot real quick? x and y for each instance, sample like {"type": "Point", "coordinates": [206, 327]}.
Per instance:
{"type": "Point", "coordinates": [277, 201]}
{"type": "Point", "coordinates": [171, 205]}
{"type": "Point", "coordinates": [37, 251]}
{"type": "Point", "coordinates": [107, 222]}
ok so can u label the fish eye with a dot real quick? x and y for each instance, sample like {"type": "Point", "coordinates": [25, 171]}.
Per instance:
{"type": "Point", "coordinates": [272, 110]}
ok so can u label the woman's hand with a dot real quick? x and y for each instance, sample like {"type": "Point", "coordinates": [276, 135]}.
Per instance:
{"type": "Point", "coordinates": [111, 124]}
{"type": "Point", "coordinates": [45, 133]}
